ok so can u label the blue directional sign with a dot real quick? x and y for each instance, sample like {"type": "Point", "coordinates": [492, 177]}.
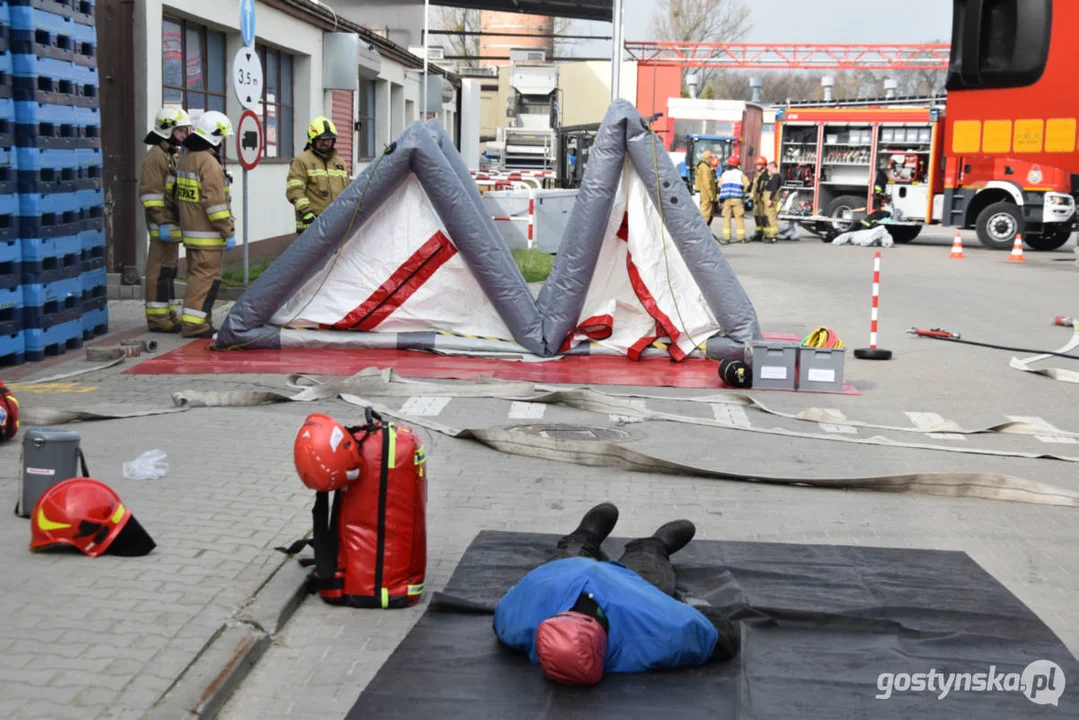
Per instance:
{"type": "Point", "coordinates": [247, 21]}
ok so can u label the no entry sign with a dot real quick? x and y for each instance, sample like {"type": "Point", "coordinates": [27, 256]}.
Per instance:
{"type": "Point", "coordinates": [249, 140]}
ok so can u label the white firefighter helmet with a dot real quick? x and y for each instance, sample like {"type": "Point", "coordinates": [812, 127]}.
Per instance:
{"type": "Point", "coordinates": [213, 127]}
{"type": "Point", "coordinates": [167, 119]}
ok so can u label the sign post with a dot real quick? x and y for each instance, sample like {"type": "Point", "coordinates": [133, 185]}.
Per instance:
{"type": "Point", "coordinates": [249, 143]}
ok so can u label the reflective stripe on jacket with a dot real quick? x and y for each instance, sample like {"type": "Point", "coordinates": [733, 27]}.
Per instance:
{"type": "Point", "coordinates": [202, 200]}
{"type": "Point", "coordinates": [156, 188]}
{"type": "Point", "coordinates": [314, 183]}
{"type": "Point", "coordinates": [733, 184]}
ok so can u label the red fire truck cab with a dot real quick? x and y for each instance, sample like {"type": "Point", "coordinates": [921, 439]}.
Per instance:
{"type": "Point", "coordinates": [830, 159]}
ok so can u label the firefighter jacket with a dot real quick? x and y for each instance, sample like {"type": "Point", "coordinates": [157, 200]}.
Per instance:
{"type": "Point", "coordinates": [156, 188]}
{"type": "Point", "coordinates": [772, 187]}
{"type": "Point", "coordinates": [202, 200]}
{"type": "Point", "coordinates": [733, 185]}
{"type": "Point", "coordinates": [705, 181]}
{"type": "Point", "coordinates": [313, 183]}
{"type": "Point", "coordinates": [757, 187]}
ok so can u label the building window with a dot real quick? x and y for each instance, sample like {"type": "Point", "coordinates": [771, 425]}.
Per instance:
{"type": "Point", "coordinates": [365, 138]}
{"type": "Point", "coordinates": [276, 108]}
{"type": "Point", "coordinates": [192, 67]}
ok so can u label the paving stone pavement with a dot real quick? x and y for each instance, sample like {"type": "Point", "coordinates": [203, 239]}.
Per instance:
{"type": "Point", "coordinates": [106, 637]}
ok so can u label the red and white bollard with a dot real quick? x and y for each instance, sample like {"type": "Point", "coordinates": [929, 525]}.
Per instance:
{"type": "Point", "coordinates": [873, 352]}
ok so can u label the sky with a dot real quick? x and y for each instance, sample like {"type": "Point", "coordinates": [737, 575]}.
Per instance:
{"type": "Point", "coordinates": [819, 21]}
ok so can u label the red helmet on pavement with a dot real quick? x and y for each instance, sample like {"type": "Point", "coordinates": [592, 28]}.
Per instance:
{"type": "Point", "coordinates": [572, 647]}
{"type": "Point", "coordinates": [327, 457]}
{"type": "Point", "coordinates": [761, 160]}
{"type": "Point", "coordinates": [9, 414]}
{"type": "Point", "coordinates": [87, 514]}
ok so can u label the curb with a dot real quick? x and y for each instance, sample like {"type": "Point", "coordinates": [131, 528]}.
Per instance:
{"type": "Point", "coordinates": [208, 682]}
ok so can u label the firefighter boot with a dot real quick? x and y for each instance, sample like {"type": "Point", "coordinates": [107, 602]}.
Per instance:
{"type": "Point", "coordinates": [675, 535]}
{"type": "Point", "coordinates": [594, 528]}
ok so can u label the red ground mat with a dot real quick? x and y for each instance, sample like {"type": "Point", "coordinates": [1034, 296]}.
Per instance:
{"type": "Point", "coordinates": [196, 358]}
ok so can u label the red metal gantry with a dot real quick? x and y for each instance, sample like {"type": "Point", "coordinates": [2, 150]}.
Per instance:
{"type": "Point", "coordinates": [792, 56]}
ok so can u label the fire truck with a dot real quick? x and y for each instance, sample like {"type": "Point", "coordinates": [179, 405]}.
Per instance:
{"type": "Point", "coordinates": [736, 123]}
{"type": "Point", "coordinates": [1015, 97]}
{"type": "Point", "coordinates": [830, 159]}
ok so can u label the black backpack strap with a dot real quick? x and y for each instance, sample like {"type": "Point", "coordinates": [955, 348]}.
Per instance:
{"type": "Point", "coordinates": [324, 541]}
{"type": "Point", "coordinates": [82, 464]}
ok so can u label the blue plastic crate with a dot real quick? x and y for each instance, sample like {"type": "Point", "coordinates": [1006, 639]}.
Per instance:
{"type": "Point", "coordinates": [47, 126]}
{"type": "Point", "coordinates": [7, 122]}
{"type": "Point", "coordinates": [93, 281]}
{"type": "Point", "coordinates": [95, 318]}
{"type": "Point", "coordinates": [41, 33]}
{"type": "Point", "coordinates": [9, 226]}
{"type": "Point", "coordinates": [10, 263]}
{"type": "Point", "coordinates": [85, 42]}
{"type": "Point", "coordinates": [5, 71]}
{"type": "Point", "coordinates": [43, 300]}
{"type": "Point", "coordinates": [9, 204]}
{"type": "Point", "coordinates": [92, 240]}
{"type": "Point", "coordinates": [8, 174]}
{"type": "Point", "coordinates": [37, 204]}
{"type": "Point", "coordinates": [11, 310]}
{"type": "Point", "coordinates": [81, 11]}
{"type": "Point", "coordinates": [55, 340]}
{"type": "Point", "coordinates": [28, 65]}
{"type": "Point", "coordinates": [41, 170]}
{"type": "Point", "coordinates": [13, 349]}
{"type": "Point", "coordinates": [87, 83]}
{"type": "Point", "coordinates": [45, 259]}
{"type": "Point", "coordinates": [88, 121]}
{"type": "Point", "coordinates": [45, 80]}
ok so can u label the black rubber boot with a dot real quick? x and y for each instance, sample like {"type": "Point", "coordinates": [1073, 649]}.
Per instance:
{"type": "Point", "coordinates": [599, 521]}
{"type": "Point", "coordinates": [675, 535]}
{"type": "Point", "coordinates": [586, 540]}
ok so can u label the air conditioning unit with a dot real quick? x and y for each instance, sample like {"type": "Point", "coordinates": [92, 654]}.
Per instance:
{"type": "Point", "coordinates": [479, 71]}
{"type": "Point", "coordinates": [434, 52]}
{"type": "Point", "coordinates": [528, 55]}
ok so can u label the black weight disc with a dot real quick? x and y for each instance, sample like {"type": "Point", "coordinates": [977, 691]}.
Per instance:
{"type": "Point", "coordinates": [873, 354]}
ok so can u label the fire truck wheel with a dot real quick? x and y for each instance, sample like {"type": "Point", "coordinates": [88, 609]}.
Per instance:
{"type": "Point", "coordinates": [841, 212]}
{"type": "Point", "coordinates": [1047, 241]}
{"type": "Point", "coordinates": [998, 224]}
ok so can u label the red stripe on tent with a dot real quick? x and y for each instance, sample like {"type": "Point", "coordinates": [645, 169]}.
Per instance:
{"type": "Point", "coordinates": [400, 286]}
{"type": "Point", "coordinates": [635, 350]}
{"type": "Point", "coordinates": [623, 231]}
{"type": "Point", "coordinates": [653, 309]}
{"type": "Point", "coordinates": [597, 327]}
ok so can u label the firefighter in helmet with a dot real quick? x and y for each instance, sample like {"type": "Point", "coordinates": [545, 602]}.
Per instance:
{"type": "Point", "coordinates": [317, 175]}
{"type": "Point", "coordinates": [733, 185]}
{"type": "Point", "coordinates": [705, 184]}
{"type": "Point", "coordinates": [206, 221]}
{"type": "Point", "coordinates": [156, 181]}
{"type": "Point", "coordinates": [756, 195]}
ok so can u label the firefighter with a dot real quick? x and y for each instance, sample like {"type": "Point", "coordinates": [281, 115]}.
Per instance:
{"type": "Point", "coordinates": [771, 202]}
{"type": "Point", "coordinates": [705, 184]}
{"type": "Point", "coordinates": [206, 221]}
{"type": "Point", "coordinates": [880, 200]}
{"type": "Point", "coordinates": [756, 196]}
{"type": "Point", "coordinates": [171, 126]}
{"type": "Point", "coordinates": [317, 175]}
{"type": "Point", "coordinates": [733, 185]}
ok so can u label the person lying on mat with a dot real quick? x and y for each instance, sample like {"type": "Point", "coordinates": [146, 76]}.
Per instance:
{"type": "Point", "coordinates": [578, 615]}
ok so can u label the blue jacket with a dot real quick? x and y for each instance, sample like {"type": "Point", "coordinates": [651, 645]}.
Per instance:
{"type": "Point", "coordinates": [649, 629]}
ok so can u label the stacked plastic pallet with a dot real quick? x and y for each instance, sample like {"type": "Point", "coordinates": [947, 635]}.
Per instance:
{"type": "Point", "coordinates": [52, 227]}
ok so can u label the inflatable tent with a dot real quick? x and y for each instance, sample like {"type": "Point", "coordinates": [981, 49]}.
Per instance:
{"type": "Point", "coordinates": [409, 258]}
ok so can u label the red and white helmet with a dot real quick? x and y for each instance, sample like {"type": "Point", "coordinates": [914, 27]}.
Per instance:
{"type": "Point", "coordinates": [326, 455]}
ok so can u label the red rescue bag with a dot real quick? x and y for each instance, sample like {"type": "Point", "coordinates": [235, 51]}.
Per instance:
{"type": "Point", "coordinates": [371, 547]}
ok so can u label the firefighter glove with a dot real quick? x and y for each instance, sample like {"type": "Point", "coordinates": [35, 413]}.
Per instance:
{"type": "Point", "coordinates": [164, 233]}
{"type": "Point", "coordinates": [230, 242]}
{"type": "Point", "coordinates": [308, 217]}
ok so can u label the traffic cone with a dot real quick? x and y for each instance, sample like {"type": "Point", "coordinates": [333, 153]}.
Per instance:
{"type": "Point", "coordinates": [1017, 249]}
{"type": "Point", "coordinates": [957, 246]}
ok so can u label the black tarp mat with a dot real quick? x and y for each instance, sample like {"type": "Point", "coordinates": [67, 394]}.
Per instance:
{"type": "Point", "coordinates": [844, 615]}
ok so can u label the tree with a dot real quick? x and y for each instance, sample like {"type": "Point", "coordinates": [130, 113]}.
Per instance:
{"type": "Point", "coordinates": [459, 20]}
{"type": "Point", "coordinates": [701, 21]}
